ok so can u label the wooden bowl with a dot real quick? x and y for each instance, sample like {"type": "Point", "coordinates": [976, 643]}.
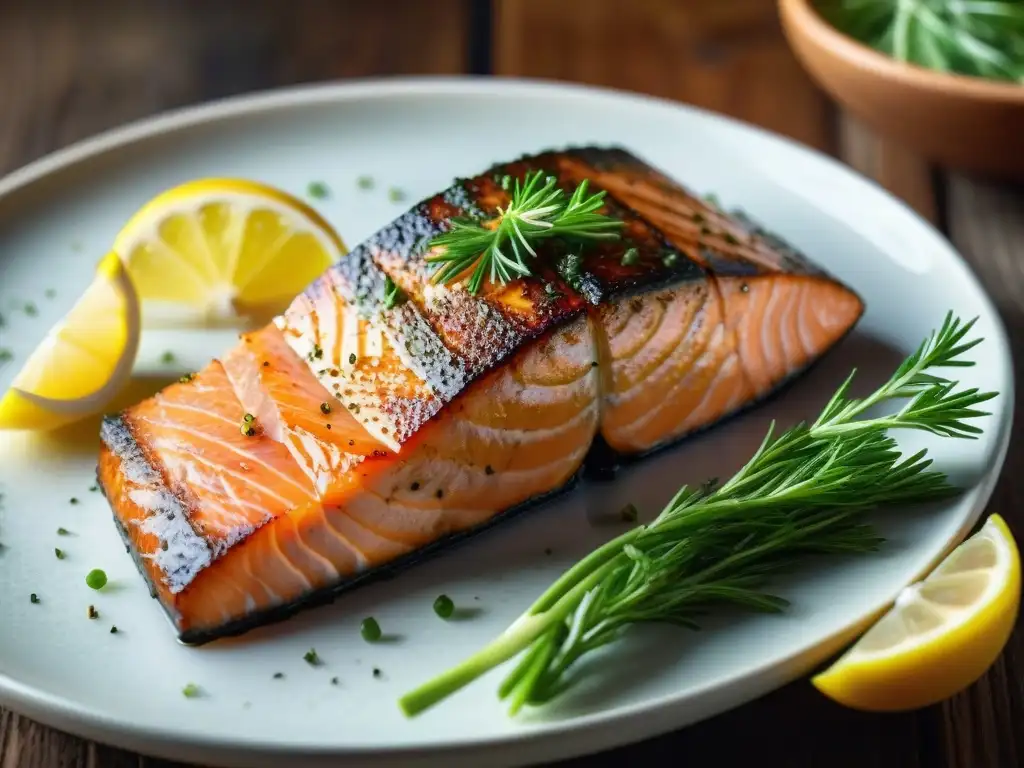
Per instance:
{"type": "Point", "coordinates": [964, 122]}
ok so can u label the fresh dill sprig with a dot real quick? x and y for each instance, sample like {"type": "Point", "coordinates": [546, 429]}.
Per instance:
{"type": "Point", "coordinates": [804, 492]}
{"type": "Point", "coordinates": [500, 250]}
{"type": "Point", "coordinates": [982, 38]}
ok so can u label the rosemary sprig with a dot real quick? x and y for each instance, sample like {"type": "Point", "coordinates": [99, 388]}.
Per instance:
{"type": "Point", "coordinates": [805, 491]}
{"type": "Point", "coordinates": [983, 38]}
{"type": "Point", "coordinates": [501, 248]}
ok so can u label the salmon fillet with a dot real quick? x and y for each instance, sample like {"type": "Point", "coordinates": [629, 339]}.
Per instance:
{"type": "Point", "coordinates": [351, 436]}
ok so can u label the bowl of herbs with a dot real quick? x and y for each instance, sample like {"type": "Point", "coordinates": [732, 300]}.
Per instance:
{"type": "Point", "coordinates": [943, 77]}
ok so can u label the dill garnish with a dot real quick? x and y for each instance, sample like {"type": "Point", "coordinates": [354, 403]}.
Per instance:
{"type": "Point", "coordinates": [805, 491]}
{"type": "Point", "coordinates": [500, 250]}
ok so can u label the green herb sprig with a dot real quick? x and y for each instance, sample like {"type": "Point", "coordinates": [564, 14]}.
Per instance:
{"type": "Point", "coordinates": [805, 491]}
{"type": "Point", "coordinates": [981, 38]}
{"type": "Point", "coordinates": [502, 249]}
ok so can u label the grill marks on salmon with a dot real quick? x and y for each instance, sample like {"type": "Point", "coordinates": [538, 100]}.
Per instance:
{"type": "Point", "coordinates": [381, 432]}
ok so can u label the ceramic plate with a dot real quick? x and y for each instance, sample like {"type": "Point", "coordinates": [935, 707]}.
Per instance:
{"type": "Point", "coordinates": [59, 215]}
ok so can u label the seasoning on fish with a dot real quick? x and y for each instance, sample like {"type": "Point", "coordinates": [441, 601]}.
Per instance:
{"type": "Point", "coordinates": [382, 428]}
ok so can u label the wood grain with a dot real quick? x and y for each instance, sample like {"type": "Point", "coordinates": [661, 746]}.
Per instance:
{"type": "Point", "coordinates": [72, 69]}
{"type": "Point", "coordinates": [728, 56]}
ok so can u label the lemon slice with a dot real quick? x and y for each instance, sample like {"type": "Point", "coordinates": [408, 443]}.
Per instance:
{"type": "Point", "coordinates": [941, 634]}
{"type": "Point", "coordinates": [214, 251]}
{"type": "Point", "coordinates": [84, 359]}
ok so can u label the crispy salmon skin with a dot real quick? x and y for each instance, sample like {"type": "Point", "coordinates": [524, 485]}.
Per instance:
{"type": "Point", "coordinates": [354, 435]}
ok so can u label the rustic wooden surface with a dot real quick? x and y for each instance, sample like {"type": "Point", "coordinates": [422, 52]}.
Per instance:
{"type": "Point", "coordinates": [72, 69]}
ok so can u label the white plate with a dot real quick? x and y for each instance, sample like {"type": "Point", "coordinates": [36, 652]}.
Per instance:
{"type": "Point", "coordinates": [57, 217]}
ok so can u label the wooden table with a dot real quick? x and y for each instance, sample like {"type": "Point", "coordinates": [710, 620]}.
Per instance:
{"type": "Point", "coordinates": [71, 70]}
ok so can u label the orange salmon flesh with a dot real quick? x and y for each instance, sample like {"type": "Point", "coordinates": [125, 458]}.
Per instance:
{"type": "Point", "coordinates": [349, 435]}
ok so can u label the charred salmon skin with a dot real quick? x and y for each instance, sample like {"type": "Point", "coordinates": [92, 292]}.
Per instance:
{"type": "Point", "coordinates": [355, 434]}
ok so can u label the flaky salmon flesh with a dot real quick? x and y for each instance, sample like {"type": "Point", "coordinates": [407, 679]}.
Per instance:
{"type": "Point", "coordinates": [353, 435]}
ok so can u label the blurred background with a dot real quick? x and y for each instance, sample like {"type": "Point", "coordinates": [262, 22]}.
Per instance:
{"type": "Point", "coordinates": [71, 69]}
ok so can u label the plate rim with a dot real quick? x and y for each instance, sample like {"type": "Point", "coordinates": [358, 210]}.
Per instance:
{"type": "Point", "coordinates": [551, 740]}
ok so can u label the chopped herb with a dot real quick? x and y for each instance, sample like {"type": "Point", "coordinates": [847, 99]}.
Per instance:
{"type": "Point", "coordinates": [670, 259]}
{"type": "Point", "coordinates": [73, 500]}
{"type": "Point", "coordinates": [335, 681]}
{"type": "Point", "coordinates": [318, 190]}
{"type": "Point", "coordinates": [488, 470]}
{"type": "Point", "coordinates": [33, 598]}
{"type": "Point", "coordinates": [63, 532]}
{"type": "Point", "coordinates": [94, 488]}
{"type": "Point", "coordinates": [167, 358]}
{"type": "Point", "coordinates": [191, 691]}
{"type": "Point", "coordinates": [730, 238]}
{"type": "Point", "coordinates": [49, 293]}
{"type": "Point", "coordinates": [395, 195]}
{"type": "Point", "coordinates": [393, 295]}
{"type": "Point", "coordinates": [712, 199]}
{"type": "Point", "coordinates": [311, 658]}
{"type": "Point", "coordinates": [186, 378]}
{"type": "Point", "coordinates": [279, 675]}
{"type": "Point", "coordinates": [248, 418]}
{"type": "Point", "coordinates": [30, 309]}
{"type": "Point", "coordinates": [92, 613]}
{"type": "Point", "coordinates": [502, 249]}
{"type": "Point", "coordinates": [114, 630]}
{"type": "Point", "coordinates": [6, 355]}
{"type": "Point", "coordinates": [629, 513]}
{"type": "Point", "coordinates": [365, 182]}
{"type": "Point", "coordinates": [630, 257]}
{"type": "Point", "coordinates": [352, 359]}
{"type": "Point", "coordinates": [96, 579]}
{"type": "Point", "coordinates": [317, 352]}
{"type": "Point", "coordinates": [325, 408]}
{"type": "Point", "coordinates": [370, 630]}
{"type": "Point", "coordinates": [444, 607]}
{"type": "Point", "coordinates": [377, 672]}
{"type": "Point", "coordinates": [59, 553]}
{"type": "Point", "coordinates": [247, 429]}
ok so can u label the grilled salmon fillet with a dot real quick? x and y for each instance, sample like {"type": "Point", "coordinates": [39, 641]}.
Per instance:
{"type": "Point", "coordinates": [353, 435]}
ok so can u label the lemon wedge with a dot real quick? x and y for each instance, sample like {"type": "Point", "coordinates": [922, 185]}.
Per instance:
{"type": "Point", "coordinates": [941, 635]}
{"type": "Point", "coordinates": [215, 251]}
{"type": "Point", "coordinates": [84, 360]}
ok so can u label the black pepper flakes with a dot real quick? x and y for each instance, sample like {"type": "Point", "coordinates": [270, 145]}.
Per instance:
{"type": "Point", "coordinates": [352, 358]}
{"type": "Point", "coordinates": [415, 485]}
{"type": "Point", "coordinates": [488, 470]}
{"type": "Point", "coordinates": [73, 500]}
{"type": "Point", "coordinates": [439, 493]}
{"type": "Point", "coordinates": [377, 672]}
{"type": "Point", "coordinates": [279, 675]}
{"type": "Point", "coordinates": [33, 598]}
